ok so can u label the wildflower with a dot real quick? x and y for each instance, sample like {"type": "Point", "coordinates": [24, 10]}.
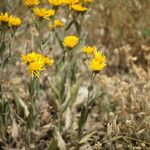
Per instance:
{"type": "Point", "coordinates": [36, 63]}
{"type": "Point", "coordinates": [50, 12]}
{"type": "Point", "coordinates": [97, 54]}
{"type": "Point", "coordinates": [55, 2]}
{"type": "Point", "coordinates": [57, 23]}
{"type": "Point", "coordinates": [43, 13]}
{"type": "Point", "coordinates": [14, 21]}
{"type": "Point", "coordinates": [31, 57]}
{"type": "Point", "coordinates": [78, 7]}
{"type": "Point", "coordinates": [98, 62]}
{"type": "Point", "coordinates": [35, 68]}
{"type": "Point", "coordinates": [48, 61]}
{"type": "Point", "coordinates": [89, 49]}
{"type": "Point", "coordinates": [70, 2]}
{"type": "Point", "coordinates": [4, 18]}
{"type": "Point", "coordinates": [71, 41]}
{"type": "Point", "coordinates": [30, 3]}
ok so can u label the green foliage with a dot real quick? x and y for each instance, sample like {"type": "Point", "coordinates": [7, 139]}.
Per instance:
{"type": "Point", "coordinates": [4, 118]}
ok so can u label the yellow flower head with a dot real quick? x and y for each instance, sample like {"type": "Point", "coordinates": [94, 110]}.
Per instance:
{"type": "Point", "coordinates": [89, 49]}
{"type": "Point", "coordinates": [51, 12]}
{"type": "Point", "coordinates": [97, 54]}
{"type": "Point", "coordinates": [43, 13]}
{"type": "Point", "coordinates": [31, 57]}
{"type": "Point", "coordinates": [48, 61]}
{"type": "Point", "coordinates": [98, 62]}
{"type": "Point", "coordinates": [36, 63]}
{"type": "Point", "coordinates": [70, 2]}
{"type": "Point", "coordinates": [14, 21]}
{"type": "Point", "coordinates": [30, 3]}
{"type": "Point", "coordinates": [57, 23]}
{"type": "Point", "coordinates": [78, 7]}
{"type": "Point", "coordinates": [71, 41]}
{"type": "Point", "coordinates": [55, 2]}
{"type": "Point", "coordinates": [4, 17]}
{"type": "Point", "coordinates": [35, 68]}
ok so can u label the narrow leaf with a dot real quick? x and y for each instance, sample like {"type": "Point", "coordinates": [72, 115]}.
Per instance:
{"type": "Point", "coordinates": [86, 138]}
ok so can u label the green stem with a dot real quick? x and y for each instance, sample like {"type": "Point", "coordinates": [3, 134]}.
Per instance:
{"type": "Point", "coordinates": [1, 62]}
{"type": "Point", "coordinates": [31, 120]}
{"type": "Point", "coordinates": [90, 89]}
{"type": "Point", "coordinates": [85, 110]}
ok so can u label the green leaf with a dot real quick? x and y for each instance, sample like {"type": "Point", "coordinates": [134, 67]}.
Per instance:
{"type": "Point", "coordinates": [2, 47]}
{"type": "Point", "coordinates": [31, 120]}
{"type": "Point", "coordinates": [66, 103]}
{"type": "Point", "coordinates": [5, 62]}
{"type": "Point", "coordinates": [81, 119]}
{"type": "Point", "coordinates": [74, 91]}
{"type": "Point", "coordinates": [86, 138]}
{"type": "Point", "coordinates": [10, 59]}
{"type": "Point", "coordinates": [20, 103]}
{"type": "Point", "coordinates": [69, 25]}
{"type": "Point", "coordinates": [146, 32]}
{"type": "Point", "coordinates": [59, 40]}
{"type": "Point", "coordinates": [77, 26]}
{"type": "Point", "coordinates": [53, 145]}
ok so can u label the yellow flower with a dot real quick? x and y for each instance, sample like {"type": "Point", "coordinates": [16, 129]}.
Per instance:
{"type": "Point", "coordinates": [31, 57]}
{"type": "Point", "coordinates": [48, 61]}
{"type": "Point", "coordinates": [11, 20]}
{"type": "Point", "coordinates": [97, 54]}
{"type": "Point", "coordinates": [71, 41]}
{"type": "Point", "coordinates": [35, 68]}
{"type": "Point", "coordinates": [55, 2]}
{"type": "Point", "coordinates": [50, 12]}
{"type": "Point", "coordinates": [57, 23]}
{"type": "Point", "coordinates": [43, 13]}
{"type": "Point", "coordinates": [31, 2]}
{"type": "Point", "coordinates": [4, 17]}
{"type": "Point", "coordinates": [98, 62]}
{"type": "Point", "coordinates": [36, 63]}
{"type": "Point", "coordinates": [70, 2]}
{"type": "Point", "coordinates": [89, 49]}
{"type": "Point", "coordinates": [14, 21]}
{"type": "Point", "coordinates": [78, 7]}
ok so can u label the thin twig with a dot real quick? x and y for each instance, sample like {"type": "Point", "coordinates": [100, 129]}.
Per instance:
{"type": "Point", "coordinates": [125, 137]}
